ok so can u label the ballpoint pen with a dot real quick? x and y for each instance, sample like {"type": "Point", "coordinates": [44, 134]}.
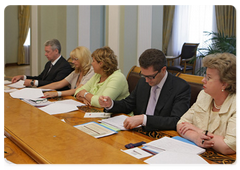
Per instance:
{"type": "Point", "coordinates": [206, 132]}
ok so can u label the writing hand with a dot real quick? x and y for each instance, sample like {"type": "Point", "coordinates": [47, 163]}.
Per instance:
{"type": "Point", "coordinates": [105, 101]}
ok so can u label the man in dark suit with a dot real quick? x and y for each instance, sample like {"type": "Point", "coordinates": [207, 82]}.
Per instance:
{"type": "Point", "coordinates": [158, 100]}
{"type": "Point", "coordinates": [56, 69]}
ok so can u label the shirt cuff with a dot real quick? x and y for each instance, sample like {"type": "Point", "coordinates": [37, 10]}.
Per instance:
{"type": "Point", "coordinates": [36, 83]}
{"type": "Point", "coordinates": [24, 77]}
{"type": "Point", "coordinates": [108, 108]}
{"type": "Point", "coordinates": [144, 120]}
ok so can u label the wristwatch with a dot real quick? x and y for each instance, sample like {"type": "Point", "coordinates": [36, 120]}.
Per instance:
{"type": "Point", "coordinates": [85, 94]}
{"type": "Point", "coordinates": [32, 83]}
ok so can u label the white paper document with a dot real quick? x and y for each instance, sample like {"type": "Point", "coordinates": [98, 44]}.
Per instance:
{"type": "Point", "coordinates": [116, 121]}
{"type": "Point", "coordinates": [9, 90]}
{"type": "Point", "coordinates": [57, 108]}
{"type": "Point", "coordinates": [27, 93]}
{"type": "Point", "coordinates": [7, 82]}
{"type": "Point", "coordinates": [47, 90]}
{"type": "Point", "coordinates": [70, 101]}
{"type": "Point", "coordinates": [137, 153]}
{"type": "Point", "coordinates": [18, 84]}
{"type": "Point", "coordinates": [169, 144]}
{"type": "Point", "coordinates": [168, 157]}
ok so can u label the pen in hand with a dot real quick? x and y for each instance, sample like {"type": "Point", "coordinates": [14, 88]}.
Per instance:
{"type": "Point", "coordinates": [206, 132]}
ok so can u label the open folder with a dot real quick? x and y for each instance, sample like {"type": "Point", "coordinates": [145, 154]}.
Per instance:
{"type": "Point", "coordinates": [174, 145]}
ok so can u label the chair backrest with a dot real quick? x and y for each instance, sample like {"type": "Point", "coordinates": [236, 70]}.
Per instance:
{"type": "Point", "coordinates": [195, 83]}
{"type": "Point", "coordinates": [189, 50]}
{"type": "Point", "coordinates": [133, 77]}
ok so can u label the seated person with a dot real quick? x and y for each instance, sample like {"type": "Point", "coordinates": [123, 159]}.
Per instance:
{"type": "Point", "coordinates": [158, 100]}
{"type": "Point", "coordinates": [108, 80]}
{"type": "Point", "coordinates": [56, 69]}
{"type": "Point", "coordinates": [211, 121]}
{"type": "Point", "coordinates": [81, 58]}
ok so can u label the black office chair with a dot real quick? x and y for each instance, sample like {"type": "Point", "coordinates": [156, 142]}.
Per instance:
{"type": "Point", "coordinates": [188, 53]}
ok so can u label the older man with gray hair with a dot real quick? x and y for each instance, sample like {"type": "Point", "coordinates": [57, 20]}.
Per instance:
{"type": "Point", "coordinates": [56, 69]}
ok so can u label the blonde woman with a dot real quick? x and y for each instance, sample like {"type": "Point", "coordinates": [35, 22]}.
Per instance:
{"type": "Point", "coordinates": [81, 58]}
{"type": "Point", "coordinates": [108, 79]}
{"type": "Point", "coordinates": [211, 121]}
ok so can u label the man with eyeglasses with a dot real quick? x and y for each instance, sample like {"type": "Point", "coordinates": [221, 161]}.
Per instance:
{"type": "Point", "coordinates": [158, 100]}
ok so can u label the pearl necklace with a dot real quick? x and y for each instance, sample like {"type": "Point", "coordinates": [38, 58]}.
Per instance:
{"type": "Point", "coordinates": [217, 107]}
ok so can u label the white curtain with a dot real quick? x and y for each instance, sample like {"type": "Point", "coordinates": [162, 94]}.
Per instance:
{"type": "Point", "coordinates": [189, 23]}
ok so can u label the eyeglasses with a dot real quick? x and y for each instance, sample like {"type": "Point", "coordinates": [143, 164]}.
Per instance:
{"type": "Point", "coordinates": [206, 77]}
{"type": "Point", "coordinates": [149, 77]}
{"type": "Point", "coordinates": [74, 59]}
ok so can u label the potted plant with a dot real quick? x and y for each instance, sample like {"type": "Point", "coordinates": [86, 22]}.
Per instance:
{"type": "Point", "coordinates": [217, 43]}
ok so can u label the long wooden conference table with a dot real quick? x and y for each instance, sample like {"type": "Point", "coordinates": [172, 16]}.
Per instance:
{"type": "Point", "coordinates": [33, 136]}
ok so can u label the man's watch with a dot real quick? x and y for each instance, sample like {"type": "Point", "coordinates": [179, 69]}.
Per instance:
{"type": "Point", "coordinates": [32, 83]}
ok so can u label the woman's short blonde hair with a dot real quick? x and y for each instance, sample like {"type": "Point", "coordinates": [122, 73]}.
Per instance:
{"type": "Point", "coordinates": [225, 63]}
{"type": "Point", "coordinates": [108, 59]}
{"type": "Point", "coordinates": [83, 55]}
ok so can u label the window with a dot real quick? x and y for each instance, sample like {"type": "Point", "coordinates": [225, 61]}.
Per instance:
{"type": "Point", "coordinates": [27, 41]}
{"type": "Point", "coordinates": [189, 24]}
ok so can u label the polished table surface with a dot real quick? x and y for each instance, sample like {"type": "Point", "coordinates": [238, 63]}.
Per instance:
{"type": "Point", "coordinates": [46, 138]}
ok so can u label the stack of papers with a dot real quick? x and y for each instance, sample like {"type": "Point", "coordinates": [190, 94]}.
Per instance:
{"type": "Point", "coordinates": [168, 157]}
{"type": "Point", "coordinates": [173, 151]}
{"type": "Point", "coordinates": [33, 97]}
{"type": "Point", "coordinates": [7, 82]}
{"type": "Point", "coordinates": [63, 106]}
{"type": "Point", "coordinates": [27, 93]}
{"type": "Point", "coordinates": [37, 102]}
{"type": "Point", "coordinates": [170, 144]}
